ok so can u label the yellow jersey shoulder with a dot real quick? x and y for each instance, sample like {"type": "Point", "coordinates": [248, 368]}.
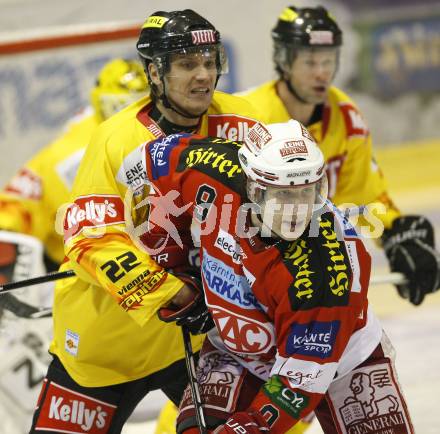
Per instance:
{"type": "Point", "coordinates": [224, 103]}
{"type": "Point", "coordinates": [347, 112]}
{"type": "Point", "coordinates": [337, 96]}
{"type": "Point", "coordinates": [266, 99]}
{"type": "Point", "coordinates": [258, 94]}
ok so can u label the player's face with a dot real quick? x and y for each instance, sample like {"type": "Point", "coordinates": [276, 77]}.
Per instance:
{"type": "Point", "coordinates": [287, 211]}
{"type": "Point", "coordinates": [191, 80]}
{"type": "Point", "coordinates": [312, 73]}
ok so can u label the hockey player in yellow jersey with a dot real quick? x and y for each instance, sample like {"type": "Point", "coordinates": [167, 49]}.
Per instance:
{"type": "Point", "coordinates": [109, 347]}
{"type": "Point", "coordinates": [306, 44]}
{"type": "Point", "coordinates": [28, 206]}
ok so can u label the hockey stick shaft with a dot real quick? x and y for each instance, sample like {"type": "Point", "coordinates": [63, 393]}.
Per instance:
{"type": "Point", "coordinates": [24, 310]}
{"type": "Point", "coordinates": [195, 393]}
{"type": "Point", "coordinates": [391, 278]}
{"type": "Point", "coordinates": [11, 286]}
{"type": "Point", "coordinates": [21, 309]}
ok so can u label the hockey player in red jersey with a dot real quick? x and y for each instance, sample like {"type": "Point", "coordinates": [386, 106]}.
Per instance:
{"type": "Point", "coordinates": [285, 277]}
{"type": "Point", "coordinates": [306, 45]}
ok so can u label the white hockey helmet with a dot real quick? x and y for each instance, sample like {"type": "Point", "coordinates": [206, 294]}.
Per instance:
{"type": "Point", "coordinates": [282, 155]}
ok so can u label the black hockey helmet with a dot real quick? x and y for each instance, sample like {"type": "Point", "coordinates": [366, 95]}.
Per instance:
{"type": "Point", "coordinates": [307, 27]}
{"type": "Point", "coordinates": [302, 28]}
{"type": "Point", "coordinates": [166, 32]}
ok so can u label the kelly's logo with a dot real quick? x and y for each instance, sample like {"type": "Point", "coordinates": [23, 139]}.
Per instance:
{"type": "Point", "coordinates": [228, 126]}
{"type": "Point", "coordinates": [65, 410]}
{"type": "Point", "coordinates": [92, 211]}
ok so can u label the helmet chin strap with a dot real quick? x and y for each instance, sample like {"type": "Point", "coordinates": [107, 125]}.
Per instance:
{"type": "Point", "coordinates": [294, 92]}
{"type": "Point", "coordinates": [180, 111]}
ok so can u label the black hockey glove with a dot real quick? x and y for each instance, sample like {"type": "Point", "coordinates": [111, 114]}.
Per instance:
{"type": "Point", "coordinates": [195, 315]}
{"type": "Point", "coordinates": [409, 247]}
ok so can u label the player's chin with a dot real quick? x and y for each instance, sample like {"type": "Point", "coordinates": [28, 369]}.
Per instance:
{"type": "Point", "coordinates": [289, 236]}
{"type": "Point", "coordinates": [316, 98]}
{"type": "Point", "coordinates": [198, 108]}
{"type": "Point", "coordinates": [291, 231]}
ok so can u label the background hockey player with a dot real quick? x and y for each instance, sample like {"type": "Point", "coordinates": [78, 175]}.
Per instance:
{"type": "Point", "coordinates": [306, 54]}
{"type": "Point", "coordinates": [28, 206]}
{"type": "Point", "coordinates": [110, 348]}
{"type": "Point", "coordinates": [285, 278]}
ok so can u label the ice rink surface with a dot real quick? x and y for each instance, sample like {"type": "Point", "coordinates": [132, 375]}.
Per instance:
{"type": "Point", "coordinates": [413, 175]}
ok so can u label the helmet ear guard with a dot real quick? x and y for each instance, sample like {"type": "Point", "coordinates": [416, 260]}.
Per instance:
{"type": "Point", "coordinates": [283, 56]}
